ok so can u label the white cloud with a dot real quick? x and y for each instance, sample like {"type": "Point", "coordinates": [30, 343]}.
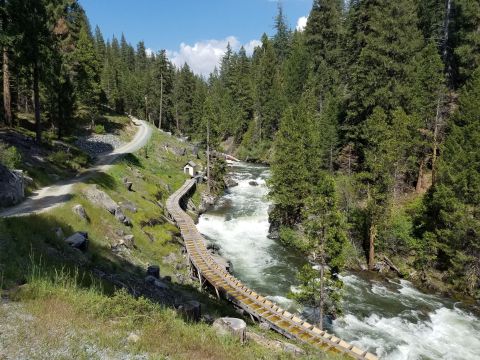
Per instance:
{"type": "Point", "coordinates": [149, 52]}
{"type": "Point", "coordinates": [204, 56]}
{"type": "Point", "coordinates": [301, 23]}
{"type": "Point", "coordinates": [251, 46]}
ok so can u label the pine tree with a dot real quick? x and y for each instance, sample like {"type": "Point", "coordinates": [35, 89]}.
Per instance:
{"type": "Point", "coordinates": [385, 41]}
{"type": "Point", "coordinates": [268, 92]}
{"type": "Point", "coordinates": [322, 37]}
{"type": "Point", "coordinates": [428, 103]}
{"type": "Point", "coordinates": [386, 157]}
{"type": "Point", "coordinates": [87, 70]}
{"type": "Point", "coordinates": [296, 69]}
{"type": "Point", "coordinates": [32, 45]}
{"type": "Point", "coordinates": [281, 40]}
{"type": "Point", "coordinates": [453, 222]}
{"type": "Point", "coordinates": [289, 180]}
{"type": "Point", "coordinates": [325, 229]}
{"type": "Point", "coordinates": [465, 39]}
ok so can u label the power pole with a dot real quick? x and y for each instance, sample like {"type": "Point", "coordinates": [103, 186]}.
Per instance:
{"type": "Point", "coordinates": [208, 154]}
{"type": "Point", "coordinates": [161, 101]}
{"type": "Point", "coordinates": [146, 109]}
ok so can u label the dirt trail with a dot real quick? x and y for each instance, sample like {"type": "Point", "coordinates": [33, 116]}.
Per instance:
{"type": "Point", "coordinates": [49, 197]}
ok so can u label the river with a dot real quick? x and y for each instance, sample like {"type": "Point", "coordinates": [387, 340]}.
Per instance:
{"type": "Point", "coordinates": [390, 318]}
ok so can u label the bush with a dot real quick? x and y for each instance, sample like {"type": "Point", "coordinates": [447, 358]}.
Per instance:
{"type": "Point", "coordinates": [293, 238]}
{"type": "Point", "coordinates": [99, 129]}
{"type": "Point", "coordinates": [10, 156]}
{"type": "Point", "coordinates": [59, 158]}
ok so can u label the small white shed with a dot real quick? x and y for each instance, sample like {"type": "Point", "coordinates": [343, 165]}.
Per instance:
{"type": "Point", "coordinates": [191, 169]}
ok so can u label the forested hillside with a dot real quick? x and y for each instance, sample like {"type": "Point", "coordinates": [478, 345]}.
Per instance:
{"type": "Point", "coordinates": [370, 117]}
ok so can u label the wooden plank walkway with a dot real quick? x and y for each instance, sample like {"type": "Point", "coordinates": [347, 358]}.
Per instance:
{"type": "Point", "coordinates": [230, 288]}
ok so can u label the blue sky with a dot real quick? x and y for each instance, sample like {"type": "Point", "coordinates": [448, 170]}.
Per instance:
{"type": "Point", "coordinates": [193, 31]}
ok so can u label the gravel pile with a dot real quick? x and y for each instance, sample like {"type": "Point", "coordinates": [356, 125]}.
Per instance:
{"type": "Point", "coordinates": [98, 144]}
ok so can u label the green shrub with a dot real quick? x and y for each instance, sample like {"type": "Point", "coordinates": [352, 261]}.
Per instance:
{"type": "Point", "coordinates": [10, 156]}
{"type": "Point", "coordinates": [99, 129]}
{"type": "Point", "coordinates": [59, 158]}
{"type": "Point", "coordinates": [293, 238]}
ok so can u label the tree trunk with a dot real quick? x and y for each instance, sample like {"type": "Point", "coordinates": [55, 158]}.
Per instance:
{"type": "Point", "coordinates": [7, 98]}
{"type": "Point", "coordinates": [419, 187]}
{"type": "Point", "coordinates": [372, 235]}
{"type": "Point", "coordinates": [435, 141]}
{"type": "Point", "coordinates": [36, 100]}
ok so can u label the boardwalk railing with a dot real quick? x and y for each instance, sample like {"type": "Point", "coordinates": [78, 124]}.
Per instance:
{"type": "Point", "coordinates": [227, 286]}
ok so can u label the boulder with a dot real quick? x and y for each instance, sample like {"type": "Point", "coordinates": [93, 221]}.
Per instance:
{"type": "Point", "coordinates": [214, 248]}
{"type": "Point", "coordinates": [129, 206]}
{"type": "Point", "coordinates": [191, 310]}
{"type": "Point", "coordinates": [234, 326]}
{"type": "Point", "coordinates": [133, 338]}
{"type": "Point", "coordinates": [207, 201]}
{"type": "Point", "coordinates": [100, 198]}
{"type": "Point", "coordinates": [12, 187]}
{"type": "Point", "coordinates": [120, 216]}
{"type": "Point", "coordinates": [79, 240]}
{"type": "Point", "coordinates": [229, 182]}
{"type": "Point", "coordinates": [80, 211]}
{"type": "Point", "coordinates": [129, 241]}
{"type": "Point", "coordinates": [150, 280]}
{"type": "Point", "coordinates": [253, 183]}
{"type": "Point", "coordinates": [154, 270]}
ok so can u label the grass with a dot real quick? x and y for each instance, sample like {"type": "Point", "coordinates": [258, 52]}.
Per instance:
{"type": "Point", "coordinates": [74, 312]}
{"type": "Point", "coordinates": [59, 305]}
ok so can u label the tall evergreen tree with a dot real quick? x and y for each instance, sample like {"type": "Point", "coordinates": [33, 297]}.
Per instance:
{"type": "Point", "coordinates": [453, 221]}
{"type": "Point", "coordinates": [385, 42]}
{"type": "Point", "coordinates": [281, 40]}
{"type": "Point", "coordinates": [289, 180]}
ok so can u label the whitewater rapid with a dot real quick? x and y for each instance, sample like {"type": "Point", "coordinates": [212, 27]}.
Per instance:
{"type": "Point", "coordinates": [390, 318]}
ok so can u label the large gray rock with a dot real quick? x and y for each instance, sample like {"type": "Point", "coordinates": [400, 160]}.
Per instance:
{"type": "Point", "coordinates": [191, 310]}
{"type": "Point", "coordinates": [12, 188]}
{"type": "Point", "coordinates": [100, 198]}
{"type": "Point", "coordinates": [79, 240]}
{"type": "Point", "coordinates": [229, 182]}
{"type": "Point", "coordinates": [129, 206]}
{"type": "Point", "coordinates": [80, 211]}
{"type": "Point", "coordinates": [234, 326]}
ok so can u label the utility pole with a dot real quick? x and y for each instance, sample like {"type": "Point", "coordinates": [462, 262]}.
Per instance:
{"type": "Point", "coordinates": [322, 292]}
{"type": "Point", "coordinates": [146, 109]}
{"type": "Point", "coordinates": [161, 101]}
{"type": "Point", "coordinates": [208, 154]}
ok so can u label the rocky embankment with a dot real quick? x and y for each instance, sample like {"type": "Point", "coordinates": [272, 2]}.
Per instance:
{"type": "Point", "coordinates": [97, 144]}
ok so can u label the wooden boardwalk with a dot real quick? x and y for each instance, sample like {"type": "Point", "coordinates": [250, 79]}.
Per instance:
{"type": "Point", "coordinates": [226, 286]}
